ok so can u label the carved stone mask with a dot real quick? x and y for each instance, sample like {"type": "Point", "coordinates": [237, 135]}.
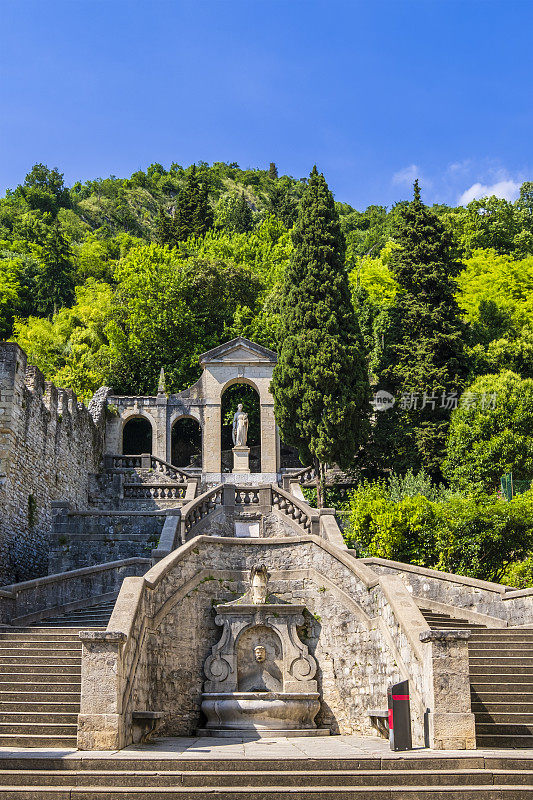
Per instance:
{"type": "Point", "coordinates": [260, 653]}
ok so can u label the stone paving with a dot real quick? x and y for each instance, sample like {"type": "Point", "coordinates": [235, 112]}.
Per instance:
{"type": "Point", "coordinates": [334, 747]}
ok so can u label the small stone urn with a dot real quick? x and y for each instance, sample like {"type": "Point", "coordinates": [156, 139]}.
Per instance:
{"type": "Point", "coordinates": [260, 675]}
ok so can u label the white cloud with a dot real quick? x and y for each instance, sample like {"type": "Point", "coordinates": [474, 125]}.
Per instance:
{"type": "Point", "coordinates": [407, 175]}
{"type": "Point", "coordinates": [505, 189]}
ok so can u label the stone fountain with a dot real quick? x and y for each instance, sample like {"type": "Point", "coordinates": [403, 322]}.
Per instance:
{"type": "Point", "coordinates": [260, 675]}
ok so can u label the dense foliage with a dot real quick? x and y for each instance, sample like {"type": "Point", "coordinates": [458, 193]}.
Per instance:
{"type": "Point", "coordinates": [107, 281]}
{"type": "Point", "coordinates": [474, 534]}
{"type": "Point", "coordinates": [320, 383]}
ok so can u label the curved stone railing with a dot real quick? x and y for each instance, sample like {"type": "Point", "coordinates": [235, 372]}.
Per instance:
{"type": "Point", "coordinates": [199, 508]}
{"type": "Point", "coordinates": [145, 461]}
{"type": "Point", "coordinates": [297, 510]}
{"type": "Point", "coordinates": [305, 475]}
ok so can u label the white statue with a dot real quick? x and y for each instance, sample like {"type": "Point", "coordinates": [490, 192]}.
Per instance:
{"type": "Point", "coordinates": [240, 427]}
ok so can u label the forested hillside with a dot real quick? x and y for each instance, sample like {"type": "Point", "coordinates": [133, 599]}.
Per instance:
{"type": "Point", "coordinates": [108, 281]}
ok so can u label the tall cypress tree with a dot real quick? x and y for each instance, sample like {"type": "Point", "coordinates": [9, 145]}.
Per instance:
{"type": "Point", "coordinates": [320, 383]}
{"type": "Point", "coordinates": [193, 215]}
{"type": "Point", "coordinates": [424, 362]}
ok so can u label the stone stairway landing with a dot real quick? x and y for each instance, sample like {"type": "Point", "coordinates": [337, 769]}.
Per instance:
{"type": "Point", "coordinates": [40, 678]}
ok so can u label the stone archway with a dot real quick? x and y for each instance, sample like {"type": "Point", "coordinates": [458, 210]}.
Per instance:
{"type": "Point", "coordinates": [186, 442]}
{"type": "Point", "coordinates": [137, 436]}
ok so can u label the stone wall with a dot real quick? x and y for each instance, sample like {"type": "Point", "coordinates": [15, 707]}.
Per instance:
{"type": "Point", "coordinates": [168, 629]}
{"type": "Point", "coordinates": [84, 538]}
{"type": "Point", "coordinates": [491, 604]}
{"type": "Point", "coordinates": [49, 443]}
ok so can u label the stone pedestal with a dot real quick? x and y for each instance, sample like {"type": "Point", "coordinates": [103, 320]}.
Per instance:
{"type": "Point", "coordinates": [241, 457]}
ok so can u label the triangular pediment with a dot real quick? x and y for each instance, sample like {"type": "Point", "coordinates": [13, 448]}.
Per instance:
{"type": "Point", "coordinates": [239, 351]}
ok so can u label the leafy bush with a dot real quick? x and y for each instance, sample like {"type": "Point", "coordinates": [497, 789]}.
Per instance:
{"type": "Point", "coordinates": [479, 535]}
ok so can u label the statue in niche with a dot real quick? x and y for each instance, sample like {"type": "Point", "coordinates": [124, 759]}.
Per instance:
{"type": "Point", "coordinates": [240, 427]}
{"type": "Point", "coordinates": [258, 584]}
{"type": "Point", "coordinates": [259, 661]}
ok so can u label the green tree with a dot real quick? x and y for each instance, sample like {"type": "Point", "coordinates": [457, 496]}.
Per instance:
{"type": "Point", "coordinates": [423, 357]}
{"type": "Point", "coordinates": [44, 190]}
{"type": "Point", "coordinates": [193, 215]}
{"type": "Point", "coordinates": [233, 213]}
{"type": "Point", "coordinates": [320, 383]}
{"type": "Point", "coordinates": [55, 280]}
{"type": "Point", "coordinates": [491, 433]}
{"type": "Point", "coordinates": [273, 171]}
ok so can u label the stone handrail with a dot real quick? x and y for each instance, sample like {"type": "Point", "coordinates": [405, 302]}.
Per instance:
{"type": "Point", "coordinates": [154, 491]}
{"type": "Point", "coordinates": [305, 475]}
{"type": "Point", "coordinates": [145, 461]}
{"type": "Point", "coordinates": [305, 516]}
{"type": "Point", "coordinates": [36, 599]}
{"type": "Point", "coordinates": [199, 508]}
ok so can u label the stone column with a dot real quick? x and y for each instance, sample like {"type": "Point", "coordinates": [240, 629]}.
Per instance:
{"type": "Point", "coordinates": [269, 444]}
{"type": "Point", "coordinates": [159, 438]}
{"type": "Point", "coordinates": [100, 721]}
{"type": "Point", "coordinates": [211, 439]}
{"type": "Point", "coordinates": [447, 689]}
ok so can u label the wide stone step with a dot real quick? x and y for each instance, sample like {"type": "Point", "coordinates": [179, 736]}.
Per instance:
{"type": "Point", "coordinates": [504, 728]}
{"type": "Point", "coordinates": [71, 696]}
{"type": "Point", "coordinates": [504, 741]}
{"type": "Point", "coordinates": [41, 706]}
{"type": "Point", "coordinates": [495, 648]}
{"type": "Point", "coordinates": [514, 717]}
{"type": "Point", "coordinates": [7, 679]}
{"type": "Point", "coordinates": [481, 792]}
{"type": "Point", "coordinates": [244, 778]}
{"type": "Point", "coordinates": [36, 658]}
{"type": "Point", "coordinates": [41, 669]}
{"type": "Point", "coordinates": [38, 729]}
{"type": "Point", "coordinates": [496, 669]}
{"type": "Point", "coordinates": [15, 719]}
{"type": "Point", "coordinates": [40, 638]}
{"type": "Point", "coordinates": [39, 651]}
{"type": "Point", "coordinates": [497, 696]}
{"type": "Point", "coordinates": [36, 740]}
{"type": "Point", "coordinates": [500, 706]}
{"type": "Point", "coordinates": [504, 679]}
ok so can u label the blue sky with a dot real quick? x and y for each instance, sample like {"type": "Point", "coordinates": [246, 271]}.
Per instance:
{"type": "Point", "coordinates": [375, 92]}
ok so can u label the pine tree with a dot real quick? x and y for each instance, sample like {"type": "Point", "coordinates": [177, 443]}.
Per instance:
{"type": "Point", "coordinates": [273, 171]}
{"type": "Point", "coordinates": [423, 360]}
{"type": "Point", "coordinates": [55, 280]}
{"type": "Point", "coordinates": [193, 215]}
{"type": "Point", "coordinates": [320, 383]}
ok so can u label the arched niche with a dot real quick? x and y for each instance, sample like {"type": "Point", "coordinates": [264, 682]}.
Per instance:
{"type": "Point", "coordinates": [240, 390]}
{"type": "Point", "coordinates": [137, 436]}
{"type": "Point", "coordinates": [259, 655]}
{"type": "Point", "coordinates": [186, 442]}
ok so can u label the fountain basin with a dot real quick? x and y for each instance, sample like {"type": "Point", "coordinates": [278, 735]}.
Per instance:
{"type": "Point", "coordinates": [260, 711]}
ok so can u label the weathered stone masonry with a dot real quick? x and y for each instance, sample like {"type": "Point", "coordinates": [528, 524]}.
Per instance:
{"type": "Point", "coordinates": [49, 443]}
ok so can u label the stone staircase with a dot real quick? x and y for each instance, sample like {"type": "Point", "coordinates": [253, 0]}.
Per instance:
{"type": "Point", "coordinates": [501, 681]}
{"type": "Point", "coordinates": [501, 684]}
{"type": "Point", "coordinates": [40, 678]}
{"type": "Point", "coordinates": [149, 777]}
